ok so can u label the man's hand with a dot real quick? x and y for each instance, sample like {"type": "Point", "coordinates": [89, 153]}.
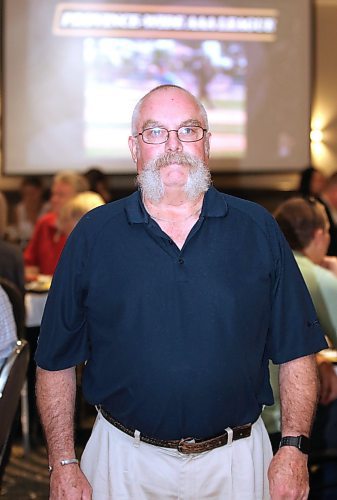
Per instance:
{"type": "Point", "coordinates": [288, 475]}
{"type": "Point", "coordinates": [69, 483]}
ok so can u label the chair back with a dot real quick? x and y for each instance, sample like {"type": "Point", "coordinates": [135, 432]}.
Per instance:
{"type": "Point", "coordinates": [12, 378]}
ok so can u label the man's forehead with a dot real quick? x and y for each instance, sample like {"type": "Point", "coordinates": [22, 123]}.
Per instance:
{"type": "Point", "coordinates": [169, 95]}
{"type": "Point", "coordinates": [150, 123]}
{"type": "Point", "coordinates": [168, 104]}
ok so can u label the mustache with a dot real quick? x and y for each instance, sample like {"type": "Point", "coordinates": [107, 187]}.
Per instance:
{"type": "Point", "coordinates": [151, 185]}
{"type": "Point", "coordinates": [169, 158]}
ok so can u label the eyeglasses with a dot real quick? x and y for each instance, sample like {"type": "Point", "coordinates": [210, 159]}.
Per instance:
{"type": "Point", "coordinates": [159, 135]}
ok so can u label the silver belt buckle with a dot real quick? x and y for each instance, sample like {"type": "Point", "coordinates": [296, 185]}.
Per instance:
{"type": "Point", "coordinates": [183, 444]}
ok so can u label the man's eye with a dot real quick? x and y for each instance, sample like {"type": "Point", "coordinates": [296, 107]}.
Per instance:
{"type": "Point", "coordinates": [156, 132]}
{"type": "Point", "coordinates": [187, 131]}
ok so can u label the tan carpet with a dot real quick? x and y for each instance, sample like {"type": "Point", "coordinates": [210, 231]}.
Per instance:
{"type": "Point", "coordinates": [26, 477]}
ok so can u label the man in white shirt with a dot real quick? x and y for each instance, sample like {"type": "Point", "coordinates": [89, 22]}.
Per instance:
{"type": "Point", "coordinates": [305, 225]}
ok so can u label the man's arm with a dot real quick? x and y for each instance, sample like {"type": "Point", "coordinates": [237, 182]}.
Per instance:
{"type": "Point", "coordinates": [288, 471]}
{"type": "Point", "coordinates": [55, 392]}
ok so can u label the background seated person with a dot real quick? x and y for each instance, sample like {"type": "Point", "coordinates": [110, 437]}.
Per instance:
{"type": "Point", "coordinates": [8, 335]}
{"type": "Point", "coordinates": [306, 227]}
{"type": "Point", "coordinates": [29, 209]}
{"type": "Point", "coordinates": [11, 261]}
{"type": "Point", "coordinates": [46, 245]}
{"type": "Point", "coordinates": [8, 338]}
{"type": "Point", "coordinates": [328, 197]}
{"type": "Point", "coordinates": [98, 182]}
{"type": "Point", "coordinates": [312, 183]}
{"type": "Point", "coordinates": [75, 208]}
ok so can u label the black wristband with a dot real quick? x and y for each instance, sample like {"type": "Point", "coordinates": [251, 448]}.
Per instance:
{"type": "Point", "coordinates": [301, 442]}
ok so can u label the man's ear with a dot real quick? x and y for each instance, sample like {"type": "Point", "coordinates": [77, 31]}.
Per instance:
{"type": "Point", "coordinates": [133, 146]}
{"type": "Point", "coordinates": [318, 234]}
{"type": "Point", "coordinates": [207, 144]}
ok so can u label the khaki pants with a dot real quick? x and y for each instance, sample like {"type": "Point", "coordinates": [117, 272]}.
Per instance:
{"type": "Point", "coordinates": [121, 467]}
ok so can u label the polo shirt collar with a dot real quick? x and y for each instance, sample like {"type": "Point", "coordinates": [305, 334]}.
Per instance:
{"type": "Point", "coordinates": [135, 210]}
{"type": "Point", "coordinates": [214, 205]}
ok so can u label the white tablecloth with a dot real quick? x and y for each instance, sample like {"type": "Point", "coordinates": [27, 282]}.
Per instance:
{"type": "Point", "coordinates": [34, 303]}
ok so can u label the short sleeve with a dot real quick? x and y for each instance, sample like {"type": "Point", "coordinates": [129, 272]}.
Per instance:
{"type": "Point", "coordinates": [294, 329]}
{"type": "Point", "coordinates": [63, 341]}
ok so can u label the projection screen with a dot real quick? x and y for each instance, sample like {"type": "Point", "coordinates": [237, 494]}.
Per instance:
{"type": "Point", "coordinates": [73, 71]}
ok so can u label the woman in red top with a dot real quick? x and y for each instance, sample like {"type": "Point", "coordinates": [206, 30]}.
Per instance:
{"type": "Point", "coordinates": [45, 247]}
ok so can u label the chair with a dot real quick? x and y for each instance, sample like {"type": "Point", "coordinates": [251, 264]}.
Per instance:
{"type": "Point", "coordinates": [17, 300]}
{"type": "Point", "coordinates": [12, 380]}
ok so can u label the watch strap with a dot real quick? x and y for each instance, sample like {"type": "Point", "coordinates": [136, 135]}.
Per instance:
{"type": "Point", "coordinates": [301, 442]}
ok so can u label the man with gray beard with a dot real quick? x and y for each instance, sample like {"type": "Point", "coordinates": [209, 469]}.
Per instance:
{"type": "Point", "coordinates": [177, 297]}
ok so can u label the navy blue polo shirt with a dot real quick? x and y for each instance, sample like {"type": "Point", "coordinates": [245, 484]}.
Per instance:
{"type": "Point", "coordinates": [177, 342]}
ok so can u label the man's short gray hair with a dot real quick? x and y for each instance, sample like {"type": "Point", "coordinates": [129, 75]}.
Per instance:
{"type": "Point", "coordinates": [138, 107]}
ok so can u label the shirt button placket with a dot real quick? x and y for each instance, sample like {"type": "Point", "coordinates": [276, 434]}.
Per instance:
{"type": "Point", "coordinates": [181, 269]}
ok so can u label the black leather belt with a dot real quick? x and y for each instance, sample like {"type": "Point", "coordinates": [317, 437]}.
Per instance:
{"type": "Point", "coordinates": [187, 445]}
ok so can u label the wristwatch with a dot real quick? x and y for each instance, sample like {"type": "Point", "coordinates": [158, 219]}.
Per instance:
{"type": "Point", "coordinates": [301, 442]}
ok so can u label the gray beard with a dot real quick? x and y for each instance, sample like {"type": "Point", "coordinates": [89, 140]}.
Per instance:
{"type": "Point", "coordinates": [151, 185]}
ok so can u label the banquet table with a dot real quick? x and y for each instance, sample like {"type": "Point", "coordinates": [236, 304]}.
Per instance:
{"type": "Point", "coordinates": [34, 304]}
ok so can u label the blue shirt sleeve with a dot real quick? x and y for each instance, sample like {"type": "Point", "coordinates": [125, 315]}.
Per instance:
{"type": "Point", "coordinates": [63, 340]}
{"type": "Point", "coordinates": [295, 330]}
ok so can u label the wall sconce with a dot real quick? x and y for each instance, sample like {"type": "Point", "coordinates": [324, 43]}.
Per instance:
{"type": "Point", "coordinates": [319, 140]}
{"type": "Point", "coordinates": [316, 133]}
{"type": "Point", "coordinates": [316, 136]}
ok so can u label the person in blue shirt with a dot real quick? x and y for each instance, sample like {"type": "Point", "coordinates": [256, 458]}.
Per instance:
{"type": "Point", "coordinates": [176, 298]}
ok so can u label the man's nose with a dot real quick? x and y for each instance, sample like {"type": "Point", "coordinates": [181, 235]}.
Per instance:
{"type": "Point", "coordinates": [173, 143]}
